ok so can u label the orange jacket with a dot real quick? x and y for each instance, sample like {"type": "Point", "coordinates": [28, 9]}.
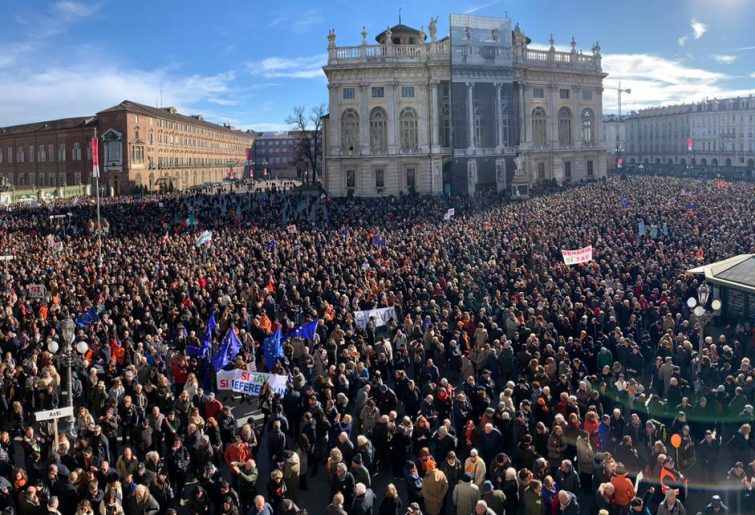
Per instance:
{"type": "Point", "coordinates": [624, 490]}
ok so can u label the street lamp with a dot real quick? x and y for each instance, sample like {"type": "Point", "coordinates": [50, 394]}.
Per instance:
{"type": "Point", "coordinates": [67, 356]}
{"type": "Point", "coordinates": [703, 316]}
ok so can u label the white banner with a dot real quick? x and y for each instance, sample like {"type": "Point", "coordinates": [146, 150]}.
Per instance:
{"type": "Point", "coordinates": [574, 257]}
{"type": "Point", "coordinates": [250, 383]}
{"type": "Point", "coordinates": [382, 315]}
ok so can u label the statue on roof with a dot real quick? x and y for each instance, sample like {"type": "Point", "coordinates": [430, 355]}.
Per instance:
{"type": "Point", "coordinates": [433, 28]}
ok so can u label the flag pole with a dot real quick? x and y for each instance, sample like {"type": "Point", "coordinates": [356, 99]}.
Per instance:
{"type": "Point", "coordinates": [96, 170]}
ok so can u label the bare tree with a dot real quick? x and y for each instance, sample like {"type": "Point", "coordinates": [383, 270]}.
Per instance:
{"type": "Point", "coordinates": [308, 129]}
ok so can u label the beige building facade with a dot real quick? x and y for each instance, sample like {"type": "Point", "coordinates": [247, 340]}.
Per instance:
{"type": "Point", "coordinates": [715, 133]}
{"type": "Point", "coordinates": [476, 111]}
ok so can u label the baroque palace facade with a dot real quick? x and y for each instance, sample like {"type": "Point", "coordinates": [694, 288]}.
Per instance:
{"type": "Point", "coordinates": [139, 146]}
{"type": "Point", "coordinates": [715, 133]}
{"type": "Point", "coordinates": [477, 110]}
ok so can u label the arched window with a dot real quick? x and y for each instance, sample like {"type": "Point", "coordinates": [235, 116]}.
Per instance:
{"type": "Point", "coordinates": [349, 130]}
{"type": "Point", "coordinates": [408, 124]}
{"type": "Point", "coordinates": [378, 130]}
{"type": "Point", "coordinates": [564, 127]}
{"type": "Point", "coordinates": [538, 127]}
{"type": "Point", "coordinates": [587, 126]}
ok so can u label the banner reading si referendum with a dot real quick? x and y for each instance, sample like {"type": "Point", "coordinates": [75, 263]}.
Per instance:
{"type": "Point", "coordinates": [250, 383]}
{"type": "Point", "coordinates": [381, 315]}
{"type": "Point", "coordinates": [575, 257]}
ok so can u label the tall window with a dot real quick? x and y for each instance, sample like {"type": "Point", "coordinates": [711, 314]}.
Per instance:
{"type": "Point", "coordinates": [62, 152]}
{"type": "Point", "coordinates": [137, 155]}
{"type": "Point", "coordinates": [567, 170]}
{"type": "Point", "coordinates": [408, 124]}
{"type": "Point", "coordinates": [587, 126]}
{"type": "Point", "coordinates": [411, 179]}
{"type": "Point", "coordinates": [564, 127]}
{"type": "Point", "coordinates": [349, 130]}
{"type": "Point", "coordinates": [378, 130]}
{"type": "Point", "coordinates": [51, 152]}
{"type": "Point", "coordinates": [351, 179]}
{"type": "Point", "coordinates": [538, 127]}
{"type": "Point", "coordinates": [445, 125]}
{"type": "Point", "coordinates": [379, 179]}
{"type": "Point", "coordinates": [541, 171]}
{"type": "Point", "coordinates": [31, 153]}
{"type": "Point", "coordinates": [42, 157]}
{"type": "Point", "coordinates": [76, 152]}
{"type": "Point", "coordinates": [590, 171]}
{"type": "Point", "coordinates": [20, 154]}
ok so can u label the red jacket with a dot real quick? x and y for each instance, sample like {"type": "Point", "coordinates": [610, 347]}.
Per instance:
{"type": "Point", "coordinates": [624, 490]}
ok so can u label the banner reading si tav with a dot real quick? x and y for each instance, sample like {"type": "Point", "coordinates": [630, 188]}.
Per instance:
{"type": "Point", "coordinates": [382, 315]}
{"type": "Point", "coordinates": [250, 383]}
{"type": "Point", "coordinates": [574, 257]}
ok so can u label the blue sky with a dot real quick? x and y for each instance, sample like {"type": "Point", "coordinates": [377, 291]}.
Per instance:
{"type": "Point", "coordinates": [250, 62]}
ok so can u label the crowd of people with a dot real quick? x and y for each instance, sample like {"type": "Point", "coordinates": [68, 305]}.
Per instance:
{"type": "Point", "coordinates": [508, 382]}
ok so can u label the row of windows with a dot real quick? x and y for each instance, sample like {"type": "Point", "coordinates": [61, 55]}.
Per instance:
{"type": "Point", "coordinates": [540, 166]}
{"type": "Point", "coordinates": [410, 175]}
{"type": "Point", "coordinates": [562, 93]}
{"type": "Point", "coordinates": [191, 129]}
{"type": "Point", "coordinates": [44, 154]}
{"type": "Point", "coordinates": [186, 162]}
{"type": "Point", "coordinates": [377, 92]}
{"type": "Point", "coordinates": [42, 181]}
{"type": "Point", "coordinates": [408, 130]}
{"type": "Point", "coordinates": [540, 132]}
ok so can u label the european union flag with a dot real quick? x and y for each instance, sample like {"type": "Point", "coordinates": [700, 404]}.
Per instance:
{"type": "Point", "coordinates": [229, 347]}
{"type": "Point", "coordinates": [204, 350]}
{"type": "Point", "coordinates": [306, 331]}
{"type": "Point", "coordinates": [378, 241]}
{"type": "Point", "coordinates": [87, 318]}
{"type": "Point", "coordinates": [625, 203]}
{"type": "Point", "coordinates": [273, 348]}
{"type": "Point", "coordinates": [271, 244]}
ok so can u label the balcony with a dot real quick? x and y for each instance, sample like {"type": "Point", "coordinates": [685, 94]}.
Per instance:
{"type": "Point", "coordinates": [441, 51]}
{"type": "Point", "coordinates": [553, 59]}
{"type": "Point", "coordinates": [387, 53]}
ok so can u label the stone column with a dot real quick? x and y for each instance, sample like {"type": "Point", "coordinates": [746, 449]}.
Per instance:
{"type": "Point", "coordinates": [470, 115]}
{"type": "Point", "coordinates": [434, 118]}
{"type": "Point", "coordinates": [498, 117]}
{"type": "Point", "coordinates": [523, 115]}
{"type": "Point", "coordinates": [364, 119]}
{"type": "Point", "coordinates": [392, 116]}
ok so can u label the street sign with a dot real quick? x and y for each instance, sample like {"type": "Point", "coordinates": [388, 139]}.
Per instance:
{"type": "Point", "coordinates": [54, 414]}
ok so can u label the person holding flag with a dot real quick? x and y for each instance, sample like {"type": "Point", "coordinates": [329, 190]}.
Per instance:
{"type": "Point", "coordinates": [273, 349]}
{"type": "Point", "coordinates": [229, 348]}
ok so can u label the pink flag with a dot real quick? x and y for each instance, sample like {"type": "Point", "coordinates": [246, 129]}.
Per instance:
{"type": "Point", "coordinates": [95, 158]}
{"type": "Point", "coordinates": [291, 229]}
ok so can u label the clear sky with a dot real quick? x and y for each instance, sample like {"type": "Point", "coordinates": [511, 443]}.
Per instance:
{"type": "Point", "coordinates": [250, 62]}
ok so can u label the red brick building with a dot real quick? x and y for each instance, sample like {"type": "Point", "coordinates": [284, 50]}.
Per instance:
{"type": "Point", "coordinates": [47, 154]}
{"type": "Point", "coordinates": [140, 146]}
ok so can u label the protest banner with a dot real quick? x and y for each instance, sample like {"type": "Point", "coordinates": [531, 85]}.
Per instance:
{"type": "Point", "coordinates": [382, 315]}
{"type": "Point", "coordinates": [250, 383]}
{"type": "Point", "coordinates": [575, 257]}
{"type": "Point", "coordinates": [36, 291]}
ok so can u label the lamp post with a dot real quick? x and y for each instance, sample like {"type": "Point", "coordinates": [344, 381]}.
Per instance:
{"type": "Point", "coordinates": [67, 357]}
{"type": "Point", "coordinates": [703, 316]}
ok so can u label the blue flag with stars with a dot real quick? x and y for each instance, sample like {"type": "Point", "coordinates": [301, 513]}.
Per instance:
{"type": "Point", "coordinates": [273, 349]}
{"type": "Point", "coordinates": [204, 350]}
{"type": "Point", "coordinates": [306, 331]}
{"type": "Point", "coordinates": [229, 348]}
